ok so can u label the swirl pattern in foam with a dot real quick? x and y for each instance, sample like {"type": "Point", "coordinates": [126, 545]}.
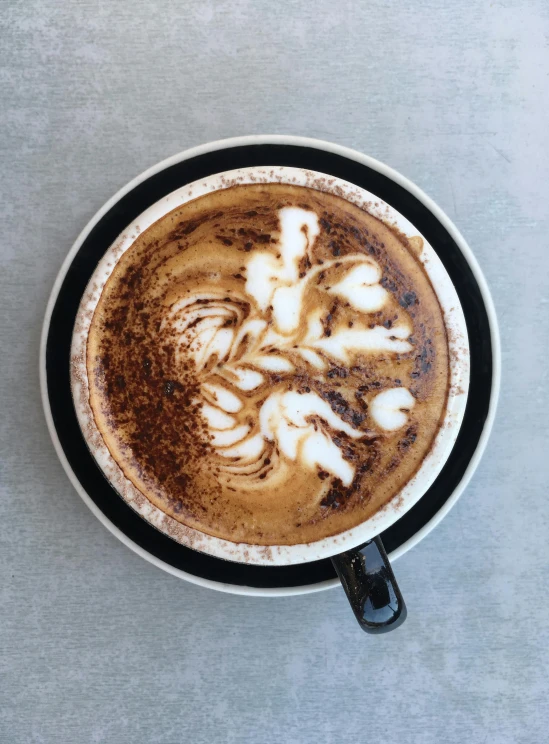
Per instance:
{"type": "Point", "coordinates": [268, 364]}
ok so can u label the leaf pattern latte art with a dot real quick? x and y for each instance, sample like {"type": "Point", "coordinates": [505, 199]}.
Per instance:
{"type": "Point", "coordinates": [250, 345]}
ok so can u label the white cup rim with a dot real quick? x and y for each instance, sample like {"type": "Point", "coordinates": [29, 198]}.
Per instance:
{"type": "Point", "coordinates": [352, 155]}
{"type": "Point", "coordinates": [415, 487]}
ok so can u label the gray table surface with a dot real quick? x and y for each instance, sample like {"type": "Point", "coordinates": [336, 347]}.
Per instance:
{"type": "Point", "coordinates": [96, 645]}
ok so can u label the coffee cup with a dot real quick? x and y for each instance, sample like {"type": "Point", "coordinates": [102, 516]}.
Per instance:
{"type": "Point", "coordinates": [357, 552]}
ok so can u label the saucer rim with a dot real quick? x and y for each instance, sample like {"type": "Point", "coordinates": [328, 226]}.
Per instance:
{"type": "Point", "coordinates": [344, 152]}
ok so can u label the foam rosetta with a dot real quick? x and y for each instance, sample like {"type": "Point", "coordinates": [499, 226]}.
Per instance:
{"type": "Point", "coordinates": [284, 344]}
{"type": "Point", "coordinates": [268, 315]}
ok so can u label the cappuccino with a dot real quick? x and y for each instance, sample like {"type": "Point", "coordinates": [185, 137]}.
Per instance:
{"type": "Point", "coordinates": [268, 364]}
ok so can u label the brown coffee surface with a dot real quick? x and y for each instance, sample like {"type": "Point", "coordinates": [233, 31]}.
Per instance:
{"type": "Point", "coordinates": [269, 364]}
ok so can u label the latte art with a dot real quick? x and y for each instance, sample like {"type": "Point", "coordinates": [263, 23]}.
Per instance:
{"type": "Point", "coordinates": [268, 364]}
{"type": "Point", "coordinates": [235, 340]}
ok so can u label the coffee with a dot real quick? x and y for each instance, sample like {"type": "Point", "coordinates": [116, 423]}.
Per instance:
{"type": "Point", "coordinates": [268, 364]}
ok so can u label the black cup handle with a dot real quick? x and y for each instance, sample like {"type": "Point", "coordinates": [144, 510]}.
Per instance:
{"type": "Point", "coordinates": [371, 587]}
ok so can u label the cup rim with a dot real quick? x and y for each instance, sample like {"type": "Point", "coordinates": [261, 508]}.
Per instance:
{"type": "Point", "coordinates": [351, 155]}
{"type": "Point", "coordinates": [388, 513]}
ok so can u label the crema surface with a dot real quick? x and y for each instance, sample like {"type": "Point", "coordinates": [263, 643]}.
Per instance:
{"type": "Point", "coordinates": [269, 364]}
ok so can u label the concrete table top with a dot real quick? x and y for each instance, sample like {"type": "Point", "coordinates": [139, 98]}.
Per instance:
{"type": "Point", "coordinates": [98, 646]}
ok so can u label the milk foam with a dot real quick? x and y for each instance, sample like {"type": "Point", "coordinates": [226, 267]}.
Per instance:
{"type": "Point", "coordinates": [361, 287]}
{"type": "Point", "coordinates": [238, 339]}
{"type": "Point", "coordinates": [275, 281]}
{"type": "Point", "coordinates": [291, 420]}
{"type": "Point", "coordinates": [389, 409]}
